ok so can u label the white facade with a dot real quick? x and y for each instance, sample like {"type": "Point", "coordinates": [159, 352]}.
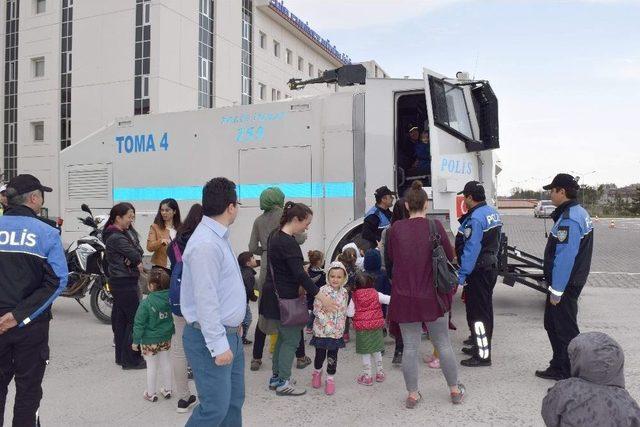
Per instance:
{"type": "Point", "coordinates": [103, 52]}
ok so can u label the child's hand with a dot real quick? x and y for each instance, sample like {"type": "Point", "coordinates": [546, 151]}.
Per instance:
{"type": "Point", "coordinates": [135, 347]}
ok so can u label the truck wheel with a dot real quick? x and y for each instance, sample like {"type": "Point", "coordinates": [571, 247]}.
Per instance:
{"type": "Point", "coordinates": [101, 303]}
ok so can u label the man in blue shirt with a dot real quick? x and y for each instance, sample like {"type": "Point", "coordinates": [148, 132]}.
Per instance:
{"type": "Point", "coordinates": [213, 303]}
{"type": "Point", "coordinates": [567, 261]}
{"type": "Point", "coordinates": [477, 244]}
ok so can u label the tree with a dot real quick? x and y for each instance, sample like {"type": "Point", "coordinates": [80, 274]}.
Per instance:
{"type": "Point", "coordinates": [634, 207]}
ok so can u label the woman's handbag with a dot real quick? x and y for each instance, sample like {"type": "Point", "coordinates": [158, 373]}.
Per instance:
{"type": "Point", "coordinates": [445, 277]}
{"type": "Point", "coordinates": [293, 312]}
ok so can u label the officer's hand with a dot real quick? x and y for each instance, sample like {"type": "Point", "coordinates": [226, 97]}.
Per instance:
{"type": "Point", "coordinates": [7, 322]}
{"type": "Point", "coordinates": [554, 299]}
{"type": "Point", "coordinates": [224, 359]}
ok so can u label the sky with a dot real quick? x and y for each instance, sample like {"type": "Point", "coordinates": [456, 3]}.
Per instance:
{"type": "Point", "coordinates": [566, 73]}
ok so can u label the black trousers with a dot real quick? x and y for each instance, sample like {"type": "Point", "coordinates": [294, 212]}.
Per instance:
{"type": "Point", "coordinates": [332, 360]}
{"type": "Point", "coordinates": [125, 304]}
{"type": "Point", "coordinates": [24, 354]}
{"type": "Point", "coordinates": [561, 324]}
{"type": "Point", "coordinates": [479, 306]}
{"type": "Point", "coordinates": [260, 337]}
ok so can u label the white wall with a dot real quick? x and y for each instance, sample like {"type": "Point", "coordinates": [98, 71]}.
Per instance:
{"type": "Point", "coordinates": [39, 97]}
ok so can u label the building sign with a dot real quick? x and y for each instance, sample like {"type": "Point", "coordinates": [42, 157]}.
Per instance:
{"type": "Point", "coordinates": [279, 7]}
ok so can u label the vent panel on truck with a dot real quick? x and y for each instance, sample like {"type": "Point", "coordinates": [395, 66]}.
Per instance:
{"type": "Point", "coordinates": [88, 184]}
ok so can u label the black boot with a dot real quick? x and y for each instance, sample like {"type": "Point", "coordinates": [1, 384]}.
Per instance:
{"type": "Point", "coordinates": [475, 362]}
{"type": "Point", "coordinates": [551, 374]}
{"type": "Point", "coordinates": [397, 357]}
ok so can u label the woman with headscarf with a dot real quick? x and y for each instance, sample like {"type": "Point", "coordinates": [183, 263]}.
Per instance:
{"type": "Point", "coordinates": [272, 205]}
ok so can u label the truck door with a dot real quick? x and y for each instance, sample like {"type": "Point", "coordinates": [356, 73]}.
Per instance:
{"type": "Point", "coordinates": [463, 129]}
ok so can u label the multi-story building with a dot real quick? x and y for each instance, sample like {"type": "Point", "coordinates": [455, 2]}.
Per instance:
{"type": "Point", "coordinates": [74, 66]}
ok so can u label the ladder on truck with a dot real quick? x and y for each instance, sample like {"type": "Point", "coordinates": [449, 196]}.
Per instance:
{"type": "Point", "coordinates": [517, 266]}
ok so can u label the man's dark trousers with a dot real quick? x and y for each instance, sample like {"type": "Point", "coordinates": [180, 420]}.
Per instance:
{"type": "Point", "coordinates": [24, 353]}
{"type": "Point", "coordinates": [561, 324]}
{"type": "Point", "coordinates": [479, 301]}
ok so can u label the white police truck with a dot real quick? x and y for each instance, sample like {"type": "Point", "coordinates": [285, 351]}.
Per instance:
{"type": "Point", "coordinates": [329, 151]}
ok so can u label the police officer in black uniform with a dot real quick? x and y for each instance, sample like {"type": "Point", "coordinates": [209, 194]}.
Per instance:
{"type": "Point", "coordinates": [477, 244]}
{"type": "Point", "coordinates": [567, 261]}
{"type": "Point", "coordinates": [33, 272]}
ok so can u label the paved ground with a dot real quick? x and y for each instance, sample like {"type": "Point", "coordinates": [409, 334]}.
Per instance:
{"type": "Point", "coordinates": [83, 386]}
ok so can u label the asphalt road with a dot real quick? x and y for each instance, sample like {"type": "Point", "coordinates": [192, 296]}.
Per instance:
{"type": "Point", "coordinates": [84, 387]}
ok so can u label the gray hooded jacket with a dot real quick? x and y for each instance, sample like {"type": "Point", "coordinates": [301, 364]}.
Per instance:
{"type": "Point", "coordinates": [595, 393]}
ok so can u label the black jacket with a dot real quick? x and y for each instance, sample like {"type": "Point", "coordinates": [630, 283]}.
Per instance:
{"type": "Point", "coordinates": [371, 231]}
{"type": "Point", "coordinates": [249, 279]}
{"type": "Point", "coordinates": [123, 254]}
{"type": "Point", "coordinates": [33, 268]}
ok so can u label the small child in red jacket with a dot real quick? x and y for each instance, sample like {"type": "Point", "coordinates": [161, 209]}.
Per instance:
{"type": "Point", "coordinates": [366, 309]}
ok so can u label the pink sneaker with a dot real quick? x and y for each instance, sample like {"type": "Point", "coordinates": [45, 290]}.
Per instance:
{"type": "Point", "coordinates": [434, 364]}
{"type": "Point", "coordinates": [365, 379]}
{"type": "Point", "coordinates": [316, 379]}
{"type": "Point", "coordinates": [428, 358]}
{"type": "Point", "coordinates": [380, 377]}
{"type": "Point", "coordinates": [330, 387]}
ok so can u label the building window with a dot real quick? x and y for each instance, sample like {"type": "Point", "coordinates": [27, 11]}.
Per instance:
{"type": "Point", "coordinates": [205, 55]}
{"type": "Point", "coordinates": [310, 70]}
{"type": "Point", "coordinates": [247, 54]}
{"type": "Point", "coordinates": [278, 95]}
{"type": "Point", "coordinates": [300, 63]}
{"type": "Point", "coordinates": [38, 67]}
{"type": "Point", "coordinates": [273, 95]}
{"type": "Point", "coordinates": [263, 40]}
{"type": "Point", "coordinates": [142, 66]}
{"type": "Point", "coordinates": [10, 141]}
{"type": "Point", "coordinates": [276, 49]}
{"type": "Point", "coordinates": [65, 74]}
{"type": "Point", "coordinates": [41, 6]}
{"type": "Point", "coordinates": [262, 91]}
{"type": "Point", "coordinates": [38, 131]}
{"type": "Point", "coordinates": [289, 57]}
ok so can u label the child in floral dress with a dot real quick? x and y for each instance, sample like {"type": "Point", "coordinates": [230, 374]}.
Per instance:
{"type": "Point", "coordinates": [328, 328]}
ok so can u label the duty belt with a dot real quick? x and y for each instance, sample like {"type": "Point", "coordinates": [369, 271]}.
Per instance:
{"type": "Point", "coordinates": [231, 330]}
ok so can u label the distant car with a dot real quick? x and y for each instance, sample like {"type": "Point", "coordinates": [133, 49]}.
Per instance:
{"type": "Point", "coordinates": [544, 208]}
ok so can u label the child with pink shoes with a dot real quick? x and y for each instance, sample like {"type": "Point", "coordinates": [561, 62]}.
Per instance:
{"type": "Point", "coordinates": [328, 328]}
{"type": "Point", "coordinates": [366, 309]}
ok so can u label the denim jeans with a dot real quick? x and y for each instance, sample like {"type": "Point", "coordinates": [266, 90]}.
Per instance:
{"type": "Point", "coordinates": [220, 388]}
{"type": "Point", "coordinates": [246, 323]}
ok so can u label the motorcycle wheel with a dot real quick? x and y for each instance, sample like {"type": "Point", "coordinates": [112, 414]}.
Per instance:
{"type": "Point", "coordinates": [101, 303]}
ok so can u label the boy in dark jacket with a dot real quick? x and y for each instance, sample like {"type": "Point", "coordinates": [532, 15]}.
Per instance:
{"type": "Point", "coordinates": [247, 269]}
{"type": "Point", "coordinates": [595, 393]}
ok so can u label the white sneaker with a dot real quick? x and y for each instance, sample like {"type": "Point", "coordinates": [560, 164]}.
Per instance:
{"type": "Point", "coordinates": [165, 393]}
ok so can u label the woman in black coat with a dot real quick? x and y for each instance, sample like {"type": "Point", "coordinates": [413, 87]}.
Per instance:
{"type": "Point", "coordinates": [124, 264]}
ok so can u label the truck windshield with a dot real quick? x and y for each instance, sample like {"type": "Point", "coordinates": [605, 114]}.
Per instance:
{"type": "Point", "coordinates": [450, 108]}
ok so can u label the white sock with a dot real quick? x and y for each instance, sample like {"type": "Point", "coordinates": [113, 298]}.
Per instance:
{"type": "Point", "coordinates": [378, 358]}
{"type": "Point", "coordinates": [366, 362]}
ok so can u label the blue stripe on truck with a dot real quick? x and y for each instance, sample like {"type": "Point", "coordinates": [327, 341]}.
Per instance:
{"type": "Point", "coordinates": [313, 190]}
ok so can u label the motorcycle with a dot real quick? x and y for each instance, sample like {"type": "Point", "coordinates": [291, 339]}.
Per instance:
{"type": "Point", "coordinates": [87, 269]}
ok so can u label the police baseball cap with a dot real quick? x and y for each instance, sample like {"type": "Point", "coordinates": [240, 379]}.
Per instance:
{"type": "Point", "coordinates": [563, 180]}
{"type": "Point", "coordinates": [383, 191]}
{"type": "Point", "coordinates": [473, 188]}
{"type": "Point", "coordinates": [26, 183]}
{"type": "Point", "coordinates": [413, 127]}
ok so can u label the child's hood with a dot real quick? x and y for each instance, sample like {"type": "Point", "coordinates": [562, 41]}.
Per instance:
{"type": "Point", "coordinates": [372, 260]}
{"type": "Point", "coordinates": [159, 298]}
{"type": "Point", "coordinates": [597, 358]}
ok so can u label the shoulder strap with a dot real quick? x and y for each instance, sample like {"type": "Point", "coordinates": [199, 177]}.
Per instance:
{"type": "Point", "coordinates": [435, 237]}
{"type": "Point", "coordinates": [177, 253]}
{"type": "Point", "coordinates": [273, 276]}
